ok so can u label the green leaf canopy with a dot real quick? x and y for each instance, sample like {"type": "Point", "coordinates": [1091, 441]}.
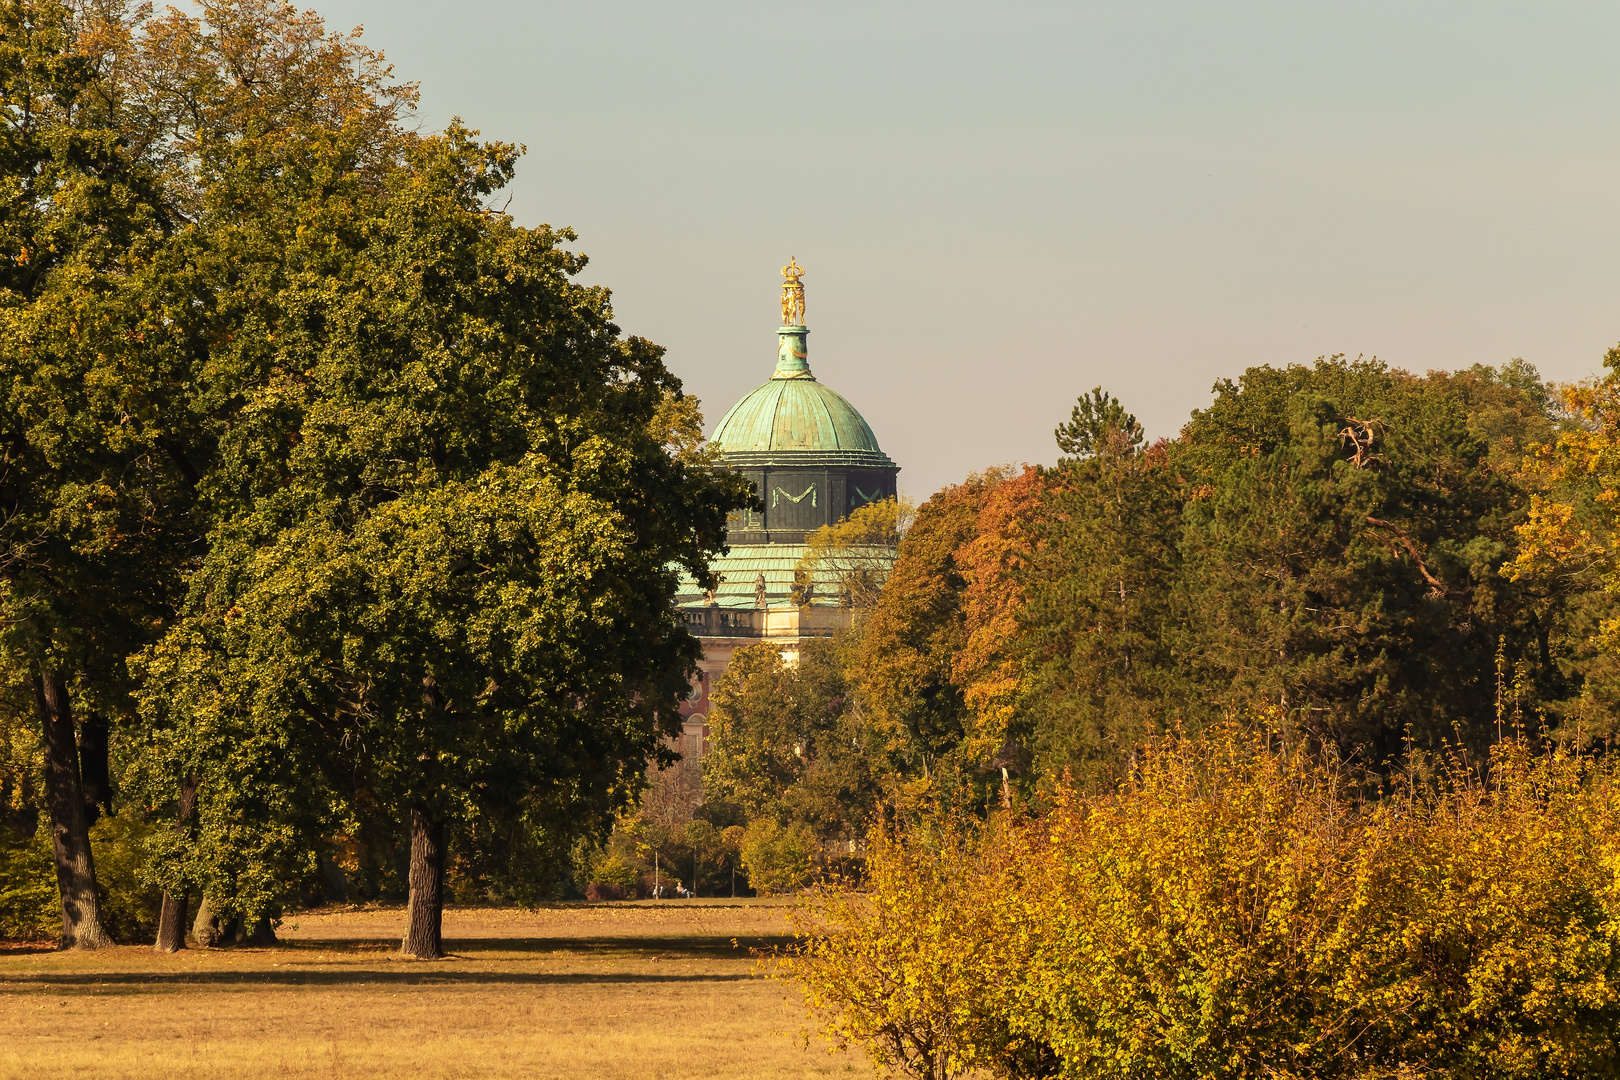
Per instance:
{"type": "Point", "coordinates": [447, 538]}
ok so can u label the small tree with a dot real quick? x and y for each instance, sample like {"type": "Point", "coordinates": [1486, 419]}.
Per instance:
{"type": "Point", "coordinates": [788, 744]}
{"type": "Point", "coordinates": [855, 554]}
{"type": "Point", "coordinates": [1099, 426]}
{"type": "Point", "coordinates": [778, 858]}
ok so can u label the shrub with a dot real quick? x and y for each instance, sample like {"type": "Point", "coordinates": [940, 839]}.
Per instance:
{"type": "Point", "coordinates": [1237, 908]}
{"type": "Point", "coordinates": [30, 908]}
{"type": "Point", "coordinates": [777, 858]}
{"type": "Point", "coordinates": [908, 969]}
{"type": "Point", "coordinates": [611, 870]}
{"type": "Point", "coordinates": [30, 905]}
{"type": "Point", "coordinates": [129, 904]}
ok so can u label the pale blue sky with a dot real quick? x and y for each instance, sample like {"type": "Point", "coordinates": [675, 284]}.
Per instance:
{"type": "Point", "coordinates": [1001, 206]}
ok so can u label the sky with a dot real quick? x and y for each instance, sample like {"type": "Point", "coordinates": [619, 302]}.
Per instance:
{"type": "Point", "coordinates": [1000, 206]}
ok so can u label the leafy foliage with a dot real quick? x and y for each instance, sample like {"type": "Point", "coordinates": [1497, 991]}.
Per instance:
{"type": "Point", "coordinates": [447, 581]}
{"type": "Point", "coordinates": [1568, 540]}
{"type": "Point", "coordinates": [1239, 907]}
{"type": "Point", "coordinates": [786, 744]}
{"type": "Point", "coordinates": [644, 852]}
{"type": "Point", "coordinates": [855, 553]}
{"type": "Point", "coordinates": [915, 708]}
{"type": "Point", "coordinates": [28, 898]}
{"type": "Point", "coordinates": [1322, 540]}
{"type": "Point", "coordinates": [995, 565]}
{"type": "Point", "coordinates": [902, 969]}
{"type": "Point", "coordinates": [1097, 637]}
{"type": "Point", "coordinates": [779, 859]}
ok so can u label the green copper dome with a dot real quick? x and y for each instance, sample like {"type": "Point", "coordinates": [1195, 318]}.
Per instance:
{"type": "Point", "coordinates": [793, 417]}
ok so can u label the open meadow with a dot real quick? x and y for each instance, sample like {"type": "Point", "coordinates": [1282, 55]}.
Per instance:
{"type": "Point", "coordinates": [635, 990]}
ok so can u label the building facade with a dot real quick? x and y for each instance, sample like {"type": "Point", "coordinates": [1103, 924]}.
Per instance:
{"type": "Point", "coordinates": [813, 459]}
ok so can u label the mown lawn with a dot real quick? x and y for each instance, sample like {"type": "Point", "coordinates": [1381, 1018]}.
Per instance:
{"type": "Point", "coordinates": [636, 990]}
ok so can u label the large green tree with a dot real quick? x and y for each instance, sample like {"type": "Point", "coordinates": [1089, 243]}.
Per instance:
{"type": "Point", "coordinates": [1097, 634]}
{"type": "Point", "coordinates": [133, 151]}
{"type": "Point", "coordinates": [445, 586]}
{"type": "Point", "coordinates": [1342, 554]}
{"type": "Point", "coordinates": [97, 352]}
{"type": "Point", "coordinates": [1322, 541]}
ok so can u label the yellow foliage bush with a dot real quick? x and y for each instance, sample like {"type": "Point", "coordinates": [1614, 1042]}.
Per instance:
{"type": "Point", "coordinates": [1239, 908]}
{"type": "Point", "coordinates": [778, 858]}
{"type": "Point", "coordinates": [902, 968]}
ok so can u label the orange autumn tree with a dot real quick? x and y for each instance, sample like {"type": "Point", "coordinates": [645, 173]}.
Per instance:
{"type": "Point", "coordinates": [985, 667]}
{"type": "Point", "coordinates": [936, 677]}
{"type": "Point", "coordinates": [902, 665]}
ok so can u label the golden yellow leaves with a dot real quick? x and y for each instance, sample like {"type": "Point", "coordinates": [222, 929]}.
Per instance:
{"type": "Point", "coordinates": [1572, 531]}
{"type": "Point", "coordinates": [1237, 907]}
{"type": "Point", "coordinates": [908, 970]}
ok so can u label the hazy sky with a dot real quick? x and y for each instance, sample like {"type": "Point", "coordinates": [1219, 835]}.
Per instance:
{"type": "Point", "coordinates": [1003, 205]}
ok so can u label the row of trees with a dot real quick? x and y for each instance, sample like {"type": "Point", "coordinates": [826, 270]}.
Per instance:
{"type": "Point", "coordinates": [331, 499]}
{"type": "Point", "coordinates": [1279, 748]}
{"type": "Point", "coordinates": [338, 515]}
{"type": "Point", "coordinates": [1382, 560]}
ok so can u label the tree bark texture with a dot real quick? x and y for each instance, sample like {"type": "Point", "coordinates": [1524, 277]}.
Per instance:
{"type": "Point", "coordinates": [205, 931]}
{"type": "Point", "coordinates": [70, 825]}
{"type": "Point", "coordinates": [425, 912]}
{"type": "Point", "coordinates": [171, 935]}
{"type": "Point", "coordinates": [171, 932]}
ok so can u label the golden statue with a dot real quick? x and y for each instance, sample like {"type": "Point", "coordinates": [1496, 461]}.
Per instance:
{"type": "Point", "coordinates": [792, 293]}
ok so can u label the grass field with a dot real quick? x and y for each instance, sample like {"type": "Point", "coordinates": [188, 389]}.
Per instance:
{"type": "Point", "coordinates": [635, 990]}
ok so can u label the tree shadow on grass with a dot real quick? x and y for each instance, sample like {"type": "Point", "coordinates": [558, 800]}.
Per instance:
{"type": "Point", "coordinates": [374, 961]}
{"type": "Point", "coordinates": [424, 976]}
{"type": "Point", "coordinates": [685, 947]}
{"type": "Point", "coordinates": [26, 948]}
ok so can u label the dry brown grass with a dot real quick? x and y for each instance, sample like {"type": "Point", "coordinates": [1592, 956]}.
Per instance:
{"type": "Point", "coordinates": [634, 990]}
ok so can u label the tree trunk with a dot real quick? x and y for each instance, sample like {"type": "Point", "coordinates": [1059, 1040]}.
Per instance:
{"type": "Point", "coordinates": [94, 775]}
{"type": "Point", "coordinates": [425, 912]}
{"type": "Point", "coordinates": [70, 827]}
{"type": "Point", "coordinates": [205, 931]}
{"type": "Point", "coordinates": [262, 932]}
{"type": "Point", "coordinates": [171, 935]}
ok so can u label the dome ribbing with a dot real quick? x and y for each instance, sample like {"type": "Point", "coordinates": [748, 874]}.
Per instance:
{"type": "Point", "coordinates": [794, 417]}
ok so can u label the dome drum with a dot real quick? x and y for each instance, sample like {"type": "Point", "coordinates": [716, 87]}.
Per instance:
{"type": "Point", "coordinates": [798, 500]}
